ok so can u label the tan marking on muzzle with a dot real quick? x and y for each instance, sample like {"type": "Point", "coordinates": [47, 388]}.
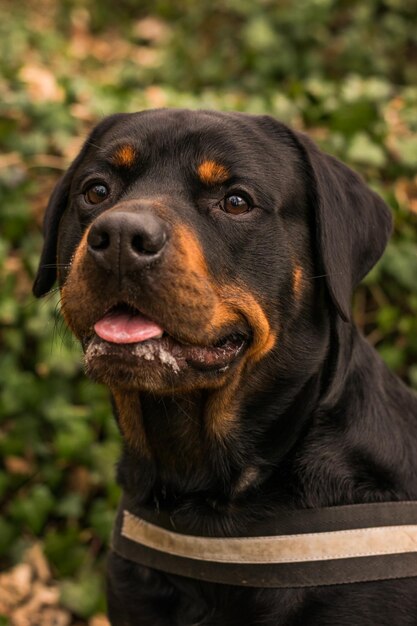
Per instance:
{"type": "Point", "coordinates": [192, 257]}
{"type": "Point", "coordinates": [68, 290]}
{"type": "Point", "coordinates": [231, 303]}
{"type": "Point", "coordinates": [237, 303]}
{"type": "Point", "coordinates": [227, 306]}
{"type": "Point", "coordinates": [130, 419]}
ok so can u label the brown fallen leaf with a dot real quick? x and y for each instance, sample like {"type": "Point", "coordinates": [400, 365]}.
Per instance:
{"type": "Point", "coordinates": [41, 84]}
{"type": "Point", "coordinates": [36, 559]}
{"type": "Point", "coordinates": [406, 193]}
{"type": "Point", "coordinates": [15, 586]}
{"type": "Point", "coordinates": [17, 464]}
{"type": "Point", "coordinates": [29, 596]}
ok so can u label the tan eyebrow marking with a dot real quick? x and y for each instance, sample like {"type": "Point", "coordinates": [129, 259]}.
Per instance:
{"type": "Point", "coordinates": [212, 173]}
{"type": "Point", "coordinates": [125, 156]}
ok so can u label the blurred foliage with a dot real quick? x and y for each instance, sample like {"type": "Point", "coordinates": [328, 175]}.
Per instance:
{"type": "Point", "coordinates": [343, 70]}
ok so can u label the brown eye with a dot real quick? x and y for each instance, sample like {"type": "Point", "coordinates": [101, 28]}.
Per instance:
{"type": "Point", "coordinates": [96, 194]}
{"type": "Point", "coordinates": [235, 204]}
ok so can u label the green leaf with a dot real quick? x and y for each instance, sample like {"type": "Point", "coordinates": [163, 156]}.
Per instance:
{"type": "Point", "coordinates": [400, 262]}
{"type": "Point", "coordinates": [104, 458]}
{"type": "Point", "coordinates": [74, 441]}
{"type": "Point", "coordinates": [4, 481]}
{"type": "Point", "coordinates": [407, 151]}
{"type": "Point", "coordinates": [8, 533]}
{"type": "Point", "coordinates": [33, 509]}
{"type": "Point", "coordinates": [352, 117]}
{"type": "Point", "coordinates": [83, 596]}
{"type": "Point", "coordinates": [71, 505]}
{"type": "Point", "coordinates": [393, 356]}
{"type": "Point", "coordinates": [412, 372]}
{"type": "Point", "coordinates": [387, 318]}
{"type": "Point", "coordinates": [101, 519]}
{"type": "Point", "coordinates": [363, 150]}
{"type": "Point", "coordinates": [65, 550]}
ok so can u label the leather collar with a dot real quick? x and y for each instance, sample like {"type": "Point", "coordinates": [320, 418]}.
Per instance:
{"type": "Point", "coordinates": [299, 548]}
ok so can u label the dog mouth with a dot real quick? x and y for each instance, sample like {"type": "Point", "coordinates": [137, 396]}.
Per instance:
{"type": "Point", "coordinates": [125, 333]}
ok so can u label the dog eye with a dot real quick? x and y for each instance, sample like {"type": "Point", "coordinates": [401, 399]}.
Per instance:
{"type": "Point", "coordinates": [235, 204]}
{"type": "Point", "coordinates": [96, 194]}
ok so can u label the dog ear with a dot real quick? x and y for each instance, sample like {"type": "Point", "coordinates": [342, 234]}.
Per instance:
{"type": "Point", "coordinates": [353, 223]}
{"type": "Point", "coordinates": [46, 274]}
{"type": "Point", "coordinates": [57, 204]}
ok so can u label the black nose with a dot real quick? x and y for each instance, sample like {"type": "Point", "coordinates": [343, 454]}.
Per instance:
{"type": "Point", "coordinates": [124, 242]}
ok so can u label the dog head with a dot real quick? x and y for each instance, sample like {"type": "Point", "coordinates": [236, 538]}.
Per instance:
{"type": "Point", "coordinates": [190, 245]}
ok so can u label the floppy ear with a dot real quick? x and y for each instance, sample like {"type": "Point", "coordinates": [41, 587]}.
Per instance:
{"type": "Point", "coordinates": [46, 274]}
{"type": "Point", "coordinates": [353, 224]}
{"type": "Point", "coordinates": [57, 204]}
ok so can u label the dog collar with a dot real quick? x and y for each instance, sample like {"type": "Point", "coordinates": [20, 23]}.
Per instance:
{"type": "Point", "coordinates": [300, 548]}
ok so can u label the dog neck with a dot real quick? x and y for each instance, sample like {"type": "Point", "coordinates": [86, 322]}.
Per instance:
{"type": "Point", "coordinates": [351, 452]}
{"type": "Point", "coordinates": [180, 460]}
{"type": "Point", "coordinates": [274, 442]}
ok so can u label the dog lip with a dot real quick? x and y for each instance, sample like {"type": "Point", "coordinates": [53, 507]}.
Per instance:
{"type": "Point", "coordinates": [218, 356]}
{"type": "Point", "coordinates": [197, 355]}
{"type": "Point", "coordinates": [167, 348]}
{"type": "Point", "coordinates": [169, 352]}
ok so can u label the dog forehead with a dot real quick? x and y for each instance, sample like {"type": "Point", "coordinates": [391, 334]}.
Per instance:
{"type": "Point", "coordinates": [177, 124]}
{"type": "Point", "coordinates": [189, 135]}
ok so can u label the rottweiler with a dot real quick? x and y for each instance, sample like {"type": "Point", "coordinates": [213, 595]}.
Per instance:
{"type": "Point", "coordinates": [206, 263]}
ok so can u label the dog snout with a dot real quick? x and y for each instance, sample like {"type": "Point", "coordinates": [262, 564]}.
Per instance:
{"type": "Point", "coordinates": [125, 242]}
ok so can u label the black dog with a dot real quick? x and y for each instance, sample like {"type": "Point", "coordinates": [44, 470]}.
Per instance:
{"type": "Point", "coordinates": [207, 263]}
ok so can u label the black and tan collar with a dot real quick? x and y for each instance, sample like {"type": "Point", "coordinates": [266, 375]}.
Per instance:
{"type": "Point", "coordinates": [301, 548]}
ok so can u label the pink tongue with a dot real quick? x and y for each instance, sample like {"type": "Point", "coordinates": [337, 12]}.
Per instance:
{"type": "Point", "coordinates": [126, 328]}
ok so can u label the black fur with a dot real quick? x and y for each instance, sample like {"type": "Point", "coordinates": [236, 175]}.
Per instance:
{"type": "Point", "coordinates": [321, 421]}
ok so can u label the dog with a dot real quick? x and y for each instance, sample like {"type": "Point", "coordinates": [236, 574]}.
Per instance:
{"type": "Point", "coordinates": [206, 263]}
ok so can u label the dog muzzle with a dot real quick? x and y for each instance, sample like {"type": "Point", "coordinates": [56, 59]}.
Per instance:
{"type": "Point", "coordinates": [299, 548]}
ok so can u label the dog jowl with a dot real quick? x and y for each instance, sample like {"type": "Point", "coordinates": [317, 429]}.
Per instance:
{"type": "Point", "coordinates": [206, 263]}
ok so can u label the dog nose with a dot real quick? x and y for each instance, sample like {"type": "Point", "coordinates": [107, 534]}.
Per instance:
{"type": "Point", "coordinates": [124, 242]}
